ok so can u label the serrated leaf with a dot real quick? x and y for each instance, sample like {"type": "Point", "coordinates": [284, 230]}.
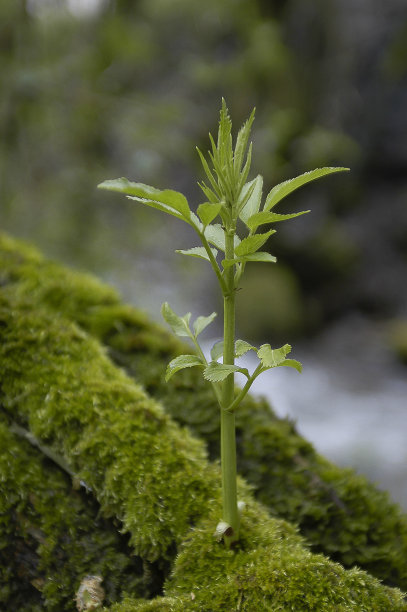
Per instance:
{"type": "Point", "coordinates": [216, 236]}
{"type": "Point", "coordinates": [207, 212]}
{"type": "Point", "coordinates": [179, 325]}
{"type": "Point", "coordinates": [270, 217]}
{"type": "Point", "coordinates": [209, 173]}
{"type": "Point", "coordinates": [252, 205]}
{"type": "Point", "coordinates": [210, 195]}
{"type": "Point", "coordinates": [224, 133]}
{"type": "Point", "coordinates": [181, 362]}
{"type": "Point", "coordinates": [251, 244]}
{"type": "Point", "coordinates": [292, 363]}
{"type": "Point", "coordinates": [202, 322]}
{"type": "Point", "coordinates": [241, 143]}
{"type": "Point", "coordinates": [217, 350]}
{"type": "Point", "coordinates": [216, 372]}
{"type": "Point", "coordinates": [166, 200]}
{"type": "Point", "coordinates": [284, 189]}
{"type": "Point", "coordinates": [199, 252]}
{"type": "Point", "coordinates": [259, 256]}
{"type": "Point", "coordinates": [242, 347]}
{"type": "Point", "coordinates": [271, 358]}
{"type": "Point", "coordinates": [195, 222]}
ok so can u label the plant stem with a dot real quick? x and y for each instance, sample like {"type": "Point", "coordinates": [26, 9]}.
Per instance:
{"type": "Point", "coordinates": [245, 389]}
{"type": "Point", "coordinates": [228, 435]}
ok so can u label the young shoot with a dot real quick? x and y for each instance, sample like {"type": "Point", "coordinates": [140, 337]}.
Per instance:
{"type": "Point", "coordinates": [229, 197]}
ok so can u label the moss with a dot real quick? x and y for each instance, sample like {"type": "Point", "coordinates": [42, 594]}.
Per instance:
{"type": "Point", "coordinates": [60, 381]}
{"type": "Point", "coordinates": [271, 570]}
{"type": "Point", "coordinates": [51, 536]}
{"type": "Point", "coordinates": [159, 604]}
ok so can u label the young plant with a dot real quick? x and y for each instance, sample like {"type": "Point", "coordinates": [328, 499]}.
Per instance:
{"type": "Point", "coordinates": [230, 197]}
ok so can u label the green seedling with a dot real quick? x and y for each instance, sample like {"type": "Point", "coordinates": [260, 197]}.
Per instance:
{"type": "Point", "coordinates": [229, 197]}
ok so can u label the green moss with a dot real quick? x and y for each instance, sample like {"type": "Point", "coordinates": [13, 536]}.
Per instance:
{"type": "Point", "coordinates": [159, 604]}
{"type": "Point", "coordinates": [272, 570]}
{"type": "Point", "coordinates": [59, 380]}
{"type": "Point", "coordinates": [52, 536]}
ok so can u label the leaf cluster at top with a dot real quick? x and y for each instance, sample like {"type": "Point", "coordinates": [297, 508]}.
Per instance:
{"type": "Point", "coordinates": [229, 197]}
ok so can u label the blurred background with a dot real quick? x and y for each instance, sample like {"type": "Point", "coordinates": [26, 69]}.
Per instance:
{"type": "Point", "coordinates": [97, 89]}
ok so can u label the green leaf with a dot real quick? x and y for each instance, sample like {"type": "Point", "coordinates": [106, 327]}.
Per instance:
{"type": "Point", "coordinates": [199, 252]}
{"type": "Point", "coordinates": [181, 362]}
{"type": "Point", "coordinates": [179, 325]}
{"type": "Point", "coordinates": [207, 212]}
{"type": "Point", "coordinates": [211, 196]}
{"type": "Point", "coordinates": [242, 347]}
{"type": "Point", "coordinates": [216, 236]}
{"type": "Point", "coordinates": [202, 322]}
{"type": "Point", "coordinates": [270, 217]}
{"type": "Point", "coordinates": [259, 256]}
{"type": "Point", "coordinates": [284, 189]}
{"type": "Point", "coordinates": [292, 363]}
{"type": "Point", "coordinates": [251, 244]}
{"type": "Point", "coordinates": [168, 201]}
{"type": "Point", "coordinates": [245, 172]}
{"type": "Point", "coordinates": [217, 350]}
{"type": "Point", "coordinates": [209, 173]}
{"type": "Point", "coordinates": [271, 358]}
{"type": "Point", "coordinates": [252, 205]}
{"type": "Point", "coordinates": [216, 372]}
{"type": "Point", "coordinates": [241, 143]}
{"type": "Point", "coordinates": [224, 134]}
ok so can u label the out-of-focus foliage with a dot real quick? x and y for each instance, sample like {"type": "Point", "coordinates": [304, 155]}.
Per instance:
{"type": "Point", "coordinates": [131, 87]}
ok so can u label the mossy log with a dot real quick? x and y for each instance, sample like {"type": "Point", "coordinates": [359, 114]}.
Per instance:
{"type": "Point", "coordinates": [60, 334]}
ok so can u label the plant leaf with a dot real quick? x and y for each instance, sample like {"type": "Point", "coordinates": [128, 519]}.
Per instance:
{"type": "Point", "coordinates": [252, 205]}
{"type": "Point", "coordinates": [216, 236]}
{"type": "Point", "coordinates": [241, 143]}
{"type": "Point", "coordinates": [181, 362]}
{"type": "Point", "coordinates": [199, 252]}
{"type": "Point", "coordinates": [167, 200]}
{"type": "Point", "coordinates": [283, 189]}
{"type": "Point", "coordinates": [263, 217]}
{"type": "Point", "coordinates": [202, 322]}
{"type": "Point", "coordinates": [242, 347]}
{"type": "Point", "coordinates": [259, 256]}
{"type": "Point", "coordinates": [207, 212]}
{"type": "Point", "coordinates": [217, 350]}
{"type": "Point", "coordinates": [271, 358]}
{"type": "Point", "coordinates": [179, 325]}
{"type": "Point", "coordinates": [251, 244]}
{"type": "Point", "coordinates": [216, 372]}
{"type": "Point", "coordinates": [292, 363]}
{"type": "Point", "coordinates": [209, 173]}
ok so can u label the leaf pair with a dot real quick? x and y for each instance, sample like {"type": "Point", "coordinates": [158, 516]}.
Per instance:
{"type": "Point", "coordinates": [269, 358]}
{"type": "Point", "coordinates": [250, 214]}
{"type": "Point", "coordinates": [180, 325]}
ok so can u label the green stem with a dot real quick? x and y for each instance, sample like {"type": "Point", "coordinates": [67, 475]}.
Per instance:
{"type": "Point", "coordinates": [228, 435]}
{"type": "Point", "coordinates": [213, 262]}
{"type": "Point", "coordinates": [245, 389]}
{"type": "Point", "coordinates": [215, 386]}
